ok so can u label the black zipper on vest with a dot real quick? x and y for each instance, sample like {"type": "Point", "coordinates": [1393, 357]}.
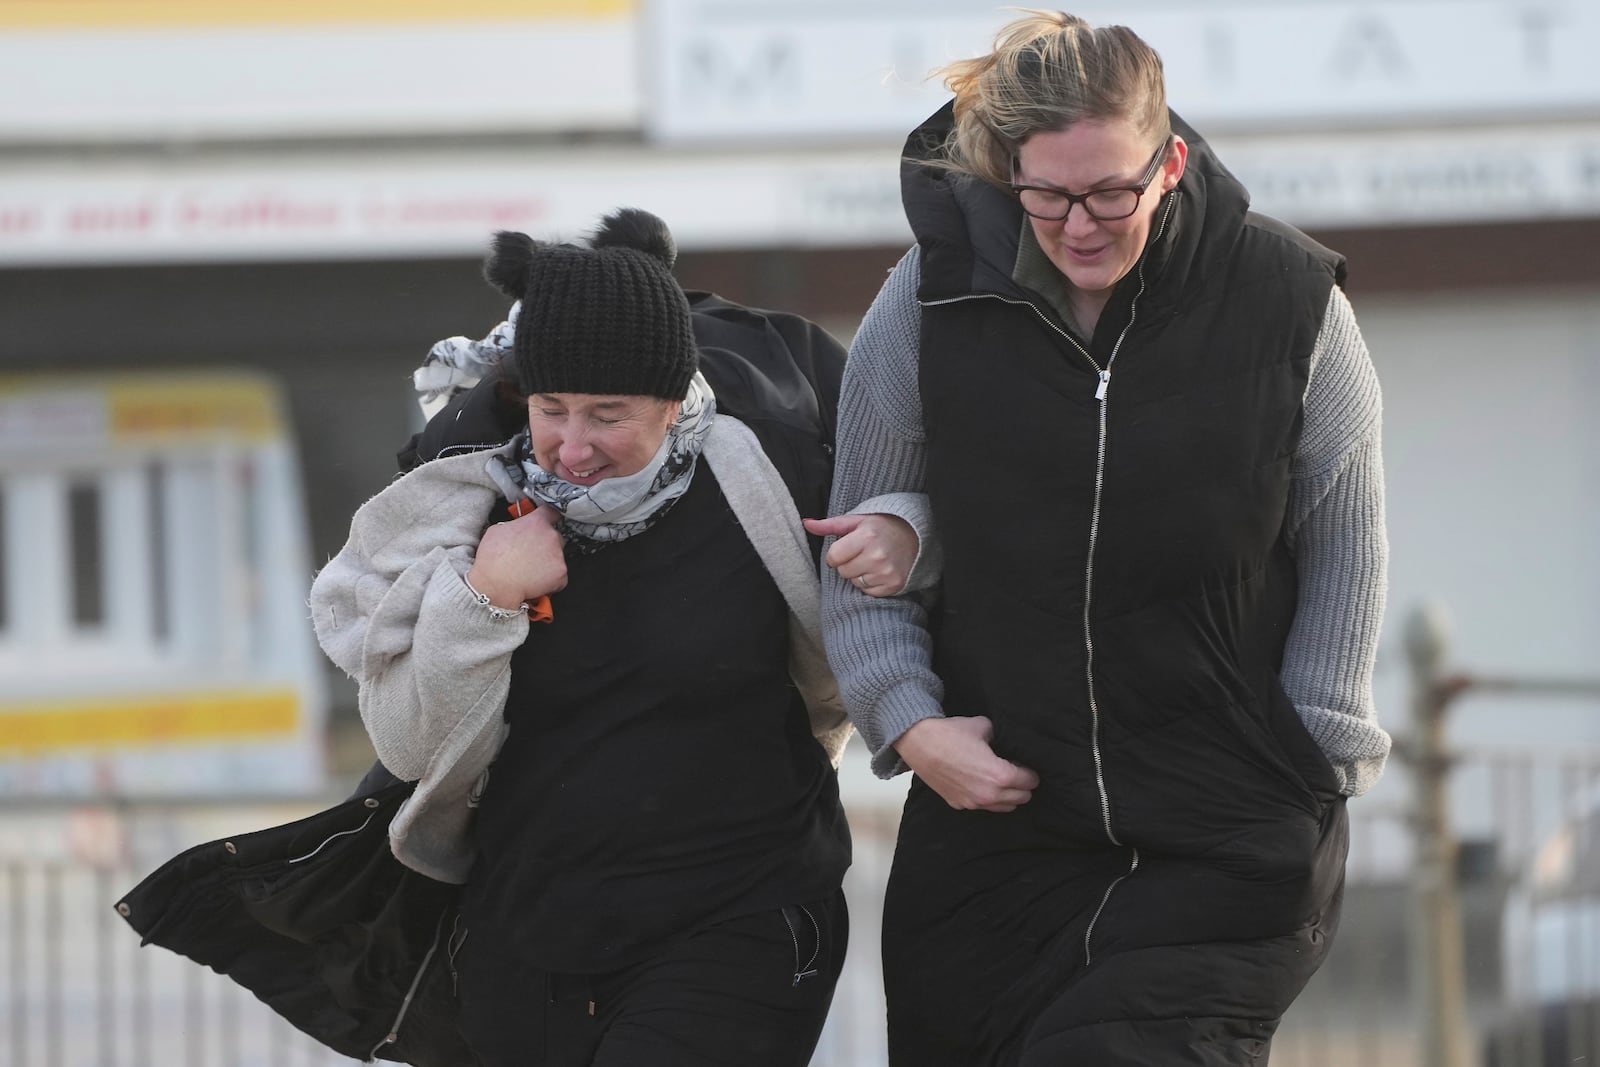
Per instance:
{"type": "Point", "coordinates": [1088, 590]}
{"type": "Point", "coordinates": [1102, 386]}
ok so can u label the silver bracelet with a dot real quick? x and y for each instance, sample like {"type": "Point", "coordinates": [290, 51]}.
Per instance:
{"type": "Point", "coordinates": [498, 614]}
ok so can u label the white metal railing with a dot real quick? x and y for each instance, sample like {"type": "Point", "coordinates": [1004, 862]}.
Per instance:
{"type": "Point", "coordinates": [76, 990]}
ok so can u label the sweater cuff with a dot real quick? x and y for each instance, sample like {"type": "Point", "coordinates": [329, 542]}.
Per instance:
{"type": "Point", "coordinates": [1357, 748]}
{"type": "Point", "coordinates": [898, 710]}
{"type": "Point", "coordinates": [474, 617]}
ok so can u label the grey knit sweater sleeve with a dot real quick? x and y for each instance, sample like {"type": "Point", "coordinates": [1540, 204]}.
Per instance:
{"type": "Point", "coordinates": [880, 649]}
{"type": "Point", "coordinates": [879, 646]}
{"type": "Point", "coordinates": [1335, 528]}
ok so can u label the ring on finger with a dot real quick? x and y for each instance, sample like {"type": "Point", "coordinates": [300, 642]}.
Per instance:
{"type": "Point", "coordinates": [861, 581]}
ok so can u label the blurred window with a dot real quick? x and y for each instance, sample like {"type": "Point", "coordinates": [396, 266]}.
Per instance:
{"type": "Point", "coordinates": [84, 518]}
{"type": "Point", "coordinates": [5, 595]}
{"type": "Point", "coordinates": [160, 564]}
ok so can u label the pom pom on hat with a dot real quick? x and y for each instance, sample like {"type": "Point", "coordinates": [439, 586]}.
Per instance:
{"type": "Point", "coordinates": [510, 260]}
{"type": "Point", "coordinates": [630, 227]}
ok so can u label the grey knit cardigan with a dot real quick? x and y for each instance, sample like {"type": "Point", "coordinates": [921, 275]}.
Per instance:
{"type": "Point", "coordinates": [393, 611]}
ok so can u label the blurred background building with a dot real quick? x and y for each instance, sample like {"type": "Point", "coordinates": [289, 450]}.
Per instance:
{"type": "Point", "coordinates": [277, 209]}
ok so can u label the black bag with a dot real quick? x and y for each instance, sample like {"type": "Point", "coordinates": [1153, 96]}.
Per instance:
{"type": "Point", "coordinates": [319, 920]}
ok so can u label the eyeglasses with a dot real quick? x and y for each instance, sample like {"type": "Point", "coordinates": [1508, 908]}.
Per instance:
{"type": "Point", "coordinates": [1104, 205]}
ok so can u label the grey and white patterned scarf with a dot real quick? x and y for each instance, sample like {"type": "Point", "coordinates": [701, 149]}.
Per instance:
{"type": "Point", "coordinates": [458, 363]}
{"type": "Point", "coordinates": [614, 509]}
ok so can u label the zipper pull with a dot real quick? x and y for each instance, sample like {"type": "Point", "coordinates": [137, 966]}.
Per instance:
{"type": "Point", "coordinates": [1105, 380]}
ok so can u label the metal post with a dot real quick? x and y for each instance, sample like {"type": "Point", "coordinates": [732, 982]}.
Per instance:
{"type": "Point", "coordinates": [1437, 964]}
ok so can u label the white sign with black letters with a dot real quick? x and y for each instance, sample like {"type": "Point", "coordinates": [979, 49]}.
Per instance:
{"type": "Point", "coordinates": [788, 69]}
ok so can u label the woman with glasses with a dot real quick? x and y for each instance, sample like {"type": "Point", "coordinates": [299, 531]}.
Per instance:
{"type": "Point", "coordinates": [1149, 430]}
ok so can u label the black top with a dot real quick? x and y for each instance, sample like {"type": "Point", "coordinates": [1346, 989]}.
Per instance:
{"type": "Point", "coordinates": [660, 771]}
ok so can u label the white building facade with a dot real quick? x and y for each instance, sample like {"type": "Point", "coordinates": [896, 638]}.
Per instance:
{"type": "Point", "coordinates": [308, 188]}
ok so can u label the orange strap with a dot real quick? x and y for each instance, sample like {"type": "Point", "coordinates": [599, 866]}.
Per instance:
{"type": "Point", "coordinates": [538, 609]}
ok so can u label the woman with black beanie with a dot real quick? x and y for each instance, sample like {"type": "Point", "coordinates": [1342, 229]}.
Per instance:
{"type": "Point", "coordinates": [615, 705]}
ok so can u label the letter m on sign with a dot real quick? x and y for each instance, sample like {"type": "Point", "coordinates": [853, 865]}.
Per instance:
{"type": "Point", "coordinates": [739, 71]}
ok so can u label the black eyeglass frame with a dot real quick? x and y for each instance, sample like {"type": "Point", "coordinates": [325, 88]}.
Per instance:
{"type": "Point", "coordinates": [1074, 199]}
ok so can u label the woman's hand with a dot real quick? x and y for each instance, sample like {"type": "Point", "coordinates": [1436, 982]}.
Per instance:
{"type": "Point", "coordinates": [521, 559]}
{"type": "Point", "coordinates": [952, 755]}
{"type": "Point", "coordinates": [873, 552]}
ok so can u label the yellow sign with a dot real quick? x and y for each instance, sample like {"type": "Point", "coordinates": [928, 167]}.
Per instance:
{"type": "Point", "coordinates": [138, 409]}
{"type": "Point", "coordinates": [101, 13]}
{"type": "Point", "coordinates": [180, 407]}
{"type": "Point", "coordinates": [186, 718]}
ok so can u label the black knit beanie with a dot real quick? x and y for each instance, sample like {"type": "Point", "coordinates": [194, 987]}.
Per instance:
{"type": "Point", "coordinates": [606, 318]}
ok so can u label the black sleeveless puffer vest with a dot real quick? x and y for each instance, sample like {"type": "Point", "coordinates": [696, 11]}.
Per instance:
{"type": "Point", "coordinates": [1117, 590]}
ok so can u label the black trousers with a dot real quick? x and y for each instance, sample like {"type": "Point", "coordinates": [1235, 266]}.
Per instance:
{"type": "Point", "coordinates": [751, 991]}
{"type": "Point", "coordinates": [986, 922]}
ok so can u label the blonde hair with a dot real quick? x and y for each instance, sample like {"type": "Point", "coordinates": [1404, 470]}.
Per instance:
{"type": "Point", "coordinates": [1047, 71]}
